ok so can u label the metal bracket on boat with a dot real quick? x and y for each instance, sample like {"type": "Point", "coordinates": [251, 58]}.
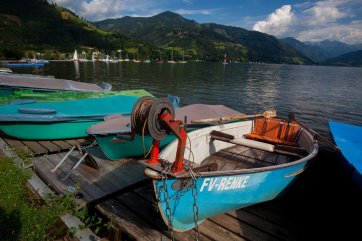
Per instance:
{"type": "Point", "coordinates": [157, 119]}
{"type": "Point", "coordinates": [90, 161]}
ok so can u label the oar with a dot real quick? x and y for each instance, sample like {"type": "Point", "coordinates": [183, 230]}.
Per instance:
{"type": "Point", "coordinates": [266, 114]}
{"type": "Point", "coordinates": [320, 138]}
{"type": "Point", "coordinates": [280, 149]}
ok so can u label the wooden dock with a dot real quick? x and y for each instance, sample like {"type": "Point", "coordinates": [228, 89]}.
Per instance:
{"type": "Point", "coordinates": [120, 191]}
{"type": "Point", "coordinates": [44, 147]}
{"type": "Point", "coordinates": [322, 204]}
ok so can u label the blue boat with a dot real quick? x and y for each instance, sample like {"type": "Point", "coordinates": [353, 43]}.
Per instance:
{"type": "Point", "coordinates": [227, 167]}
{"type": "Point", "coordinates": [27, 64]}
{"type": "Point", "coordinates": [348, 139]}
{"type": "Point", "coordinates": [60, 120]}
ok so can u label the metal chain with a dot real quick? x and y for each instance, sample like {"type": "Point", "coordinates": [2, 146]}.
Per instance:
{"type": "Point", "coordinates": [166, 200]}
{"type": "Point", "coordinates": [195, 207]}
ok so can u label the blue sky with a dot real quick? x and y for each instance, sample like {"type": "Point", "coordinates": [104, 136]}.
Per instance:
{"type": "Point", "coordinates": [305, 20]}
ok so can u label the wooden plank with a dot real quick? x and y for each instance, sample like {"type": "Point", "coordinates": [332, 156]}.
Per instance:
{"type": "Point", "coordinates": [14, 143]}
{"type": "Point", "coordinates": [36, 147]}
{"type": "Point", "coordinates": [240, 228]}
{"type": "Point", "coordinates": [50, 146]}
{"type": "Point", "coordinates": [282, 159]}
{"type": "Point", "coordinates": [62, 144]}
{"type": "Point", "coordinates": [113, 175]}
{"type": "Point", "coordinates": [128, 222]}
{"type": "Point", "coordinates": [42, 167]}
{"type": "Point", "coordinates": [39, 186]}
{"type": "Point", "coordinates": [275, 230]}
{"type": "Point", "coordinates": [276, 218]}
{"type": "Point", "coordinates": [85, 141]}
{"type": "Point", "coordinates": [217, 232]}
{"type": "Point", "coordinates": [87, 188]}
{"type": "Point", "coordinates": [82, 234]}
{"type": "Point", "coordinates": [147, 212]}
{"type": "Point", "coordinates": [72, 142]}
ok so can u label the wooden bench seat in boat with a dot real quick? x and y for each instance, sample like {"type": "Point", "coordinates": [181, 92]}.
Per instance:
{"type": "Point", "coordinates": [240, 157]}
{"type": "Point", "coordinates": [275, 131]}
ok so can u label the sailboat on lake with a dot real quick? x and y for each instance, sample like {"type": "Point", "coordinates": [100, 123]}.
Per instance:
{"type": "Point", "coordinates": [183, 59]}
{"type": "Point", "coordinates": [172, 61]}
{"type": "Point", "coordinates": [225, 62]}
{"type": "Point", "coordinates": [75, 56]}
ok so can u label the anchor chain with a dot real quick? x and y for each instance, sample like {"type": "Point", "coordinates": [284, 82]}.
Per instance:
{"type": "Point", "coordinates": [195, 207]}
{"type": "Point", "coordinates": [166, 200]}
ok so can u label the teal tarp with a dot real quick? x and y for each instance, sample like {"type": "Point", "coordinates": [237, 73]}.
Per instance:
{"type": "Point", "coordinates": [68, 110]}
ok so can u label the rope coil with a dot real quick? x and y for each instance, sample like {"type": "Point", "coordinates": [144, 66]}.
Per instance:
{"type": "Point", "coordinates": [145, 118]}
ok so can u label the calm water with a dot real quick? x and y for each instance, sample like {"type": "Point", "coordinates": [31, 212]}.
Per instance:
{"type": "Point", "coordinates": [315, 94]}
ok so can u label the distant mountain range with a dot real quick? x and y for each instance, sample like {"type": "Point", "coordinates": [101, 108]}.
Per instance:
{"type": "Point", "coordinates": [349, 59]}
{"type": "Point", "coordinates": [37, 26]}
{"type": "Point", "coordinates": [204, 41]}
{"type": "Point", "coordinates": [323, 51]}
{"type": "Point", "coordinates": [32, 26]}
{"type": "Point", "coordinates": [335, 48]}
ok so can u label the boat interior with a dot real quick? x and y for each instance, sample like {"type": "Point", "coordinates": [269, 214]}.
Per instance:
{"type": "Point", "coordinates": [290, 142]}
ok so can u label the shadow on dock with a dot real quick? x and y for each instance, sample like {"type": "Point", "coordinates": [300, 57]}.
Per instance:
{"type": "Point", "coordinates": [321, 204]}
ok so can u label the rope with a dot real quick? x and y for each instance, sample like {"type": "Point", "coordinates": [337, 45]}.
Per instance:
{"type": "Point", "coordinates": [145, 117]}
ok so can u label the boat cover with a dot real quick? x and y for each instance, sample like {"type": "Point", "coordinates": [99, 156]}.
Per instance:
{"type": "Point", "coordinates": [87, 109]}
{"type": "Point", "coordinates": [121, 124]}
{"type": "Point", "coordinates": [349, 139]}
{"type": "Point", "coordinates": [47, 83]}
{"type": "Point", "coordinates": [26, 96]}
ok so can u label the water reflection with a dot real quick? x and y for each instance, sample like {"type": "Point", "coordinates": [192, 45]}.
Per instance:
{"type": "Point", "coordinates": [315, 93]}
{"type": "Point", "coordinates": [76, 70]}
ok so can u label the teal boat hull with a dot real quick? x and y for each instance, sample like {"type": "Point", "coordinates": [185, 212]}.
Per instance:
{"type": "Point", "coordinates": [60, 120]}
{"type": "Point", "coordinates": [115, 148]}
{"type": "Point", "coordinates": [51, 131]}
{"type": "Point", "coordinates": [241, 191]}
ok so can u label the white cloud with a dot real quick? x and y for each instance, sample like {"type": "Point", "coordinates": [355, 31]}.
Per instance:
{"type": "Point", "coordinates": [348, 33]}
{"type": "Point", "coordinates": [187, 12]}
{"type": "Point", "coordinates": [93, 9]}
{"type": "Point", "coordinates": [315, 21]}
{"type": "Point", "coordinates": [187, 2]}
{"type": "Point", "coordinates": [277, 23]}
{"type": "Point", "coordinates": [101, 9]}
{"type": "Point", "coordinates": [324, 12]}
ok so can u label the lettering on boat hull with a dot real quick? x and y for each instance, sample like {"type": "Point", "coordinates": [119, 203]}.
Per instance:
{"type": "Point", "coordinates": [224, 183]}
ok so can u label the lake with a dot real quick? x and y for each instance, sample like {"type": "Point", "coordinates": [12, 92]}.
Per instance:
{"type": "Point", "coordinates": [323, 200]}
{"type": "Point", "coordinates": [315, 94]}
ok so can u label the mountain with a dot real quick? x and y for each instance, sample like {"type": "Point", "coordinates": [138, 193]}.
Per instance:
{"type": "Point", "coordinates": [315, 53]}
{"type": "Point", "coordinates": [335, 48]}
{"type": "Point", "coordinates": [349, 59]}
{"type": "Point", "coordinates": [206, 41]}
{"type": "Point", "coordinates": [35, 25]}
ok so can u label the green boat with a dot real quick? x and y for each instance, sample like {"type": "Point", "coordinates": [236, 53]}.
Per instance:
{"type": "Point", "coordinates": [28, 96]}
{"type": "Point", "coordinates": [109, 132]}
{"type": "Point", "coordinates": [60, 120]}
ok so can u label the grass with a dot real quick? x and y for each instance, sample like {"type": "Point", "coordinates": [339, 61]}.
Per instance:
{"type": "Point", "coordinates": [24, 218]}
{"type": "Point", "coordinates": [21, 216]}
